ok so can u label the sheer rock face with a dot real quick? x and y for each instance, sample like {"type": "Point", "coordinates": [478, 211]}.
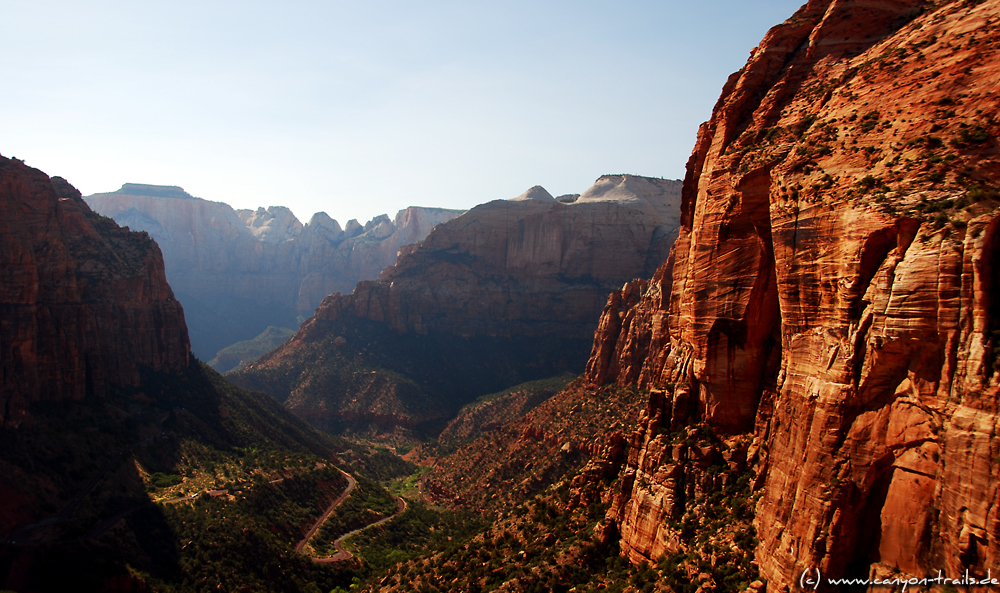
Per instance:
{"type": "Point", "coordinates": [239, 271]}
{"type": "Point", "coordinates": [524, 267]}
{"type": "Point", "coordinates": [833, 294]}
{"type": "Point", "coordinates": [84, 303]}
{"type": "Point", "coordinates": [274, 225]}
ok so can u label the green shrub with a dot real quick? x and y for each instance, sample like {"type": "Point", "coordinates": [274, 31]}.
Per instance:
{"type": "Point", "coordinates": [973, 135]}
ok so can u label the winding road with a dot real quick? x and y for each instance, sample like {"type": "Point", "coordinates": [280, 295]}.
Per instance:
{"type": "Point", "coordinates": [342, 554]}
{"type": "Point", "coordinates": [351, 483]}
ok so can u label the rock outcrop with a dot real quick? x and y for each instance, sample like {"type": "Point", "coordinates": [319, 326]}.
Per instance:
{"type": "Point", "coordinates": [85, 305]}
{"type": "Point", "coordinates": [239, 271]}
{"type": "Point", "coordinates": [508, 292]}
{"type": "Point", "coordinates": [833, 296]}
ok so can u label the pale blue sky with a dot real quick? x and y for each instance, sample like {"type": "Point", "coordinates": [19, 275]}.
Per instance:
{"type": "Point", "coordinates": [362, 108]}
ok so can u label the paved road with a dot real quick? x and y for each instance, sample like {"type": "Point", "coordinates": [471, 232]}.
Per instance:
{"type": "Point", "coordinates": [351, 483]}
{"type": "Point", "coordinates": [342, 554]}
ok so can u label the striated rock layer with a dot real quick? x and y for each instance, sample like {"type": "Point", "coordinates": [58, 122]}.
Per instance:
{"type": "Point", "coordinates": [85, 305]}
{"type": "Point", "coordinates": [524, 267]}
{"type": "Point", "coordinates": [508, 292]}
{"type": "Point", "coordinates": [239, 271]}
{"type": "Point", "coordinates": [833, 294]}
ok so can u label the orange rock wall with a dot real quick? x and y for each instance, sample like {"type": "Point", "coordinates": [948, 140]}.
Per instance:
{"type": "Point", "coordinates": [833, 292]}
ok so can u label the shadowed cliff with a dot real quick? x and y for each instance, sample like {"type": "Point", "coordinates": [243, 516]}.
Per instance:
{"type": "Point", "coordinates": [112, 433]}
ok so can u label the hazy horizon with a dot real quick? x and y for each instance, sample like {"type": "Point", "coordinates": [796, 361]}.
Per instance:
{"type": "Point", "coordinates": [360, 110]}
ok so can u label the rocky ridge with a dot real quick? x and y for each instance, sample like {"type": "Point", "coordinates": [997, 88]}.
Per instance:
{"type": "Point", "coordinates": [239, 271]}
{"type": "Point", "coordinates": [832, 298]}
{"type": "Point", "coordinates": [510, 463]}
{"type": "Point", "coordinates": [110, 430]}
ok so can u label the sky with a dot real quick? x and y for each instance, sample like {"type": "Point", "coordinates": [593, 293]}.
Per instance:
{"type": "Point", "coordinates": [364, 108]}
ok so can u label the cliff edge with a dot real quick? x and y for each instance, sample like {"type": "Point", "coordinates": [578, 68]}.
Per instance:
{"type": "Point", "coordinates": [85, 305]}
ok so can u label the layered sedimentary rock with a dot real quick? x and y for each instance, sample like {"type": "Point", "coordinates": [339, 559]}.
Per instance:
{"type": "Point", "coordinates": [525, 267]}
{"type": "Point", "coordinates": [833, 295]}
{"type": "Point", "coordinates": [239, 271]}
{"type": "Point", "coordinates": [505, 293]}
{"type": "Point", "coordinates": [85, 305]}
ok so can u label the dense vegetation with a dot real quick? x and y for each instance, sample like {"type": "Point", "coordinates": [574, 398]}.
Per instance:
{"type": "Point", "coordinates": [543, 545]}
{"type": "Point", "coordinates": [241, 353]}
{"type": "Point", "coordinates": [560, 540]}
{"type": "Point", "coordinates": [418, 531]}
{"type": "Point", "coordinates": [238, 481]}
{"type": "Point", "coordinates": [368, 503]}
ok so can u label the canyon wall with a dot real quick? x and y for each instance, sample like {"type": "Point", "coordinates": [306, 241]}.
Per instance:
{"type": "Point", "coordinates": [832, 300]}
{"type": "Point", "coordinates": [525, 267]}
{"type": "Point", "coordinates": [239, 271]}
{"type": "Point", "coordinates": [99, 398]}
{"type": "Point", "coordinates": [85, 305]}
{"type": "Point", "coordinates": [508, 292]}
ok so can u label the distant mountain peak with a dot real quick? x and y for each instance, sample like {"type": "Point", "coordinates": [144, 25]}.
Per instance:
{"type": "Point", "coordinates": [536, 193]}
{"type": "Point", "coordinates": [274, 225]}
{"type": "Point", "coordinates": [631, 188]}
{"type": "Point", "coordinates": [153, 191]}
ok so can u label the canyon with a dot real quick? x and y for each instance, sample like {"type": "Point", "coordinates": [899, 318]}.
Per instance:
{"type": "Point", "coordinates": [793, 354]}
{"type": "Point", "coordinates": [103, 410]}
{"type": "Point", "coordinates": [505, 293]}
{"type": "Point", "coordinates": [236, 272]}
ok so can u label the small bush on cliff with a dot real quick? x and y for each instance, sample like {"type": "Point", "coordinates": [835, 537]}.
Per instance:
{"type": "Point", "coordinates": [869, 182]}
{"type": "Point", "coordinates": [978, 193]}
{"type": "Point", "coordinates": [976, 134]}
{"type": "Point", "coordinates": [803, 125]}
{"type": "Point", "coordinates": [773, 133]}
{"type": "Point", "coordinates": [869, 121]}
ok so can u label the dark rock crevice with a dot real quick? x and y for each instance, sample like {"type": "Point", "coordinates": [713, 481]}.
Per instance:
{"type": "Point", "coordinates": [991, 285]}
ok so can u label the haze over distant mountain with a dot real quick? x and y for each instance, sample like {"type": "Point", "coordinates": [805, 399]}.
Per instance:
{"type": "Point", "coordinates": [510, 291]}
{"type": "Point", "coordinates": [236, 272]}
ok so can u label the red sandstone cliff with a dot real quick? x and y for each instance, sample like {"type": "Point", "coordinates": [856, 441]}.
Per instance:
{"type": "Point", "coordinates": [84, 304]}
{"type": "Point", "coordinates": [834, 294]}
{"type": "Point", "coordinates": [525, 267]}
